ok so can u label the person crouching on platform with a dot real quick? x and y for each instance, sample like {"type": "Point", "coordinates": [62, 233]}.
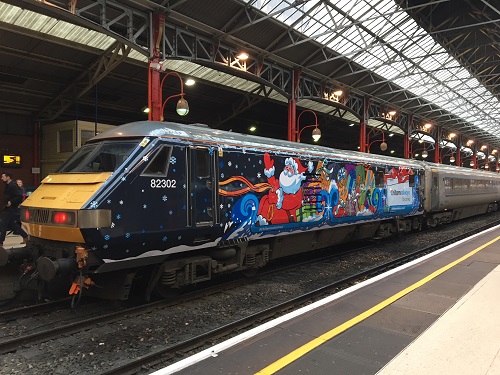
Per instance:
{"type": "Point", "coordinates": [13, 198]}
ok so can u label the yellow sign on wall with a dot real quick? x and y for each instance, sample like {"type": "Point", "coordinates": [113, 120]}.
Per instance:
{"type": "Point", "coordinates": [11, 161]}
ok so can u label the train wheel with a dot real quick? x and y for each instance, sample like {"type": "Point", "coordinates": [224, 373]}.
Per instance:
{"type": "Point", "coordinates": [250, 272]}
{"type": "Point", "coordinates": [165, 292]}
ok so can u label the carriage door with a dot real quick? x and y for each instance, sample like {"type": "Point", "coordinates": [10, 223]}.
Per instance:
{"type": "Point", "coordinates": [435, 190]}
{"type": "Point", "coordinates": [202, 187]}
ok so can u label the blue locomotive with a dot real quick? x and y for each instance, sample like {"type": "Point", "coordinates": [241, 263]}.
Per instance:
{"type": "Point", "coordinates": [172, 205]}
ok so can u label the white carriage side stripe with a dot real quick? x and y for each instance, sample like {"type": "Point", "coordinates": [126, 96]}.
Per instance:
{"type": "Point", "coordinates": [214, 350]}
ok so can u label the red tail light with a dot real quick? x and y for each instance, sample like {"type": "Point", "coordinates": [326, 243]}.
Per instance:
{"type": "Point", "coordinates": [63, 217]}
{"type": "Point", "coordinates": [26, 215]}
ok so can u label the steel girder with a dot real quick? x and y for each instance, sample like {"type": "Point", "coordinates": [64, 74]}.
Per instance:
{"type": "Point", "coordinates": [112, 57]}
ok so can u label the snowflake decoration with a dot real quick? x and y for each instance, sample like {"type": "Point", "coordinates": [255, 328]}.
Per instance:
{"type": "Point", "coordinates": [121, 202]}
{"type": "Point", "coordinates": [143, 231]}
{"type": "Point", "coordinates": [164, 198]}
{"type": "Point", "coordinates": [210, 151]}
{"type": "Point", "coordinates": [164, 238]}
{"type": "Point", "coordinates": [229, 163]}
{"type": "Point", "coordinates": [245, 151]}
{"type": "Point", "coordinates": [124, 178]}
{"type": "Point", "coordinates": [105, 246]}
{"type": "Point", "coordinates": [221, 164]}
{"type": "Point", "coordinates": [173, 160]}
{"type": "Point", "coordinates": [184, 186]}
{"type": "Point", "coordinates": [94, 204]}
{"type": "Point", "coordinates": [112, 225]}
{"type": "Point", "coordinates": [145, 158]}
{"type": "Point", "coordinates": [260, 161]}
{"type": "Point", "coordinates": [184, 207]}
{"type": "Point", "coordinates": [222, 175]}
{"type": "Point", "coordinates": [161, 226]}
{"type": "Point", "coordinates": [229, 205]}
{"type": "Point", "coordinates": [221, 206]}
{"type": "Point", "coordinates": [144, 206]}
{"type": "Point", "coordinates": [106, 237]}
{"type": "Point", "coordinates": [248, 159]}
{"type": "Point", "coordinates": [94, 248]}
{"type": "Point", "coordinates": [118, 217]}
{"type": "Point", "coordinates": [108, 201]}
{"type": "Point", "coordinates": [236, 166]}
{"type": "Point", "coordinates": [258, 175]}
{"type": "Point", "coordinates": [170, 212]}
{"type": "Point", "coordinates": [127, 235]}
{"type": "Point", "coordinates": [179, 237]}
{"type": "Point", "coordinates": [127, 250]}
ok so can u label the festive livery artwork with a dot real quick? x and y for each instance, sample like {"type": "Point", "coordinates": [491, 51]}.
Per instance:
{"type": "Point", "coordinates": [264, 193]}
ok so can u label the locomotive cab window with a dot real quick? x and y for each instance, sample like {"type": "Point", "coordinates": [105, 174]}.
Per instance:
{"type": "Point", "coordinates": [99, 157]}
{"type": "Point", "coordinates": [158, 166]}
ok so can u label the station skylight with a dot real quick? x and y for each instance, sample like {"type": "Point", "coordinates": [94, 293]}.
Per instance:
{"type": "Point", "coordinates": [382, 37]}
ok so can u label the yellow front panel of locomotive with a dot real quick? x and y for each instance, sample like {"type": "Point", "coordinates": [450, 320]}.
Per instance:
{"type": "Point", "coordinates": [66, 191]}
{"type": "Point", "coordinates": [50, 232]}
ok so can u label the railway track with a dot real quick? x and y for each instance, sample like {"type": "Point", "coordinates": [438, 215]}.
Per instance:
{"type": "Point", "coordinates": [58, 330]}
{"type": "Point", "coordinates": [167, 353]}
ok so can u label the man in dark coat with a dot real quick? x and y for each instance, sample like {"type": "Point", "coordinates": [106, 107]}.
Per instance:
{"type": "Point", "coordinates": [13, 198]}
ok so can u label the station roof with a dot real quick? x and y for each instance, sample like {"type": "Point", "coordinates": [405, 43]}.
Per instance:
{"type": "Point", "coordinates": [437, 60]}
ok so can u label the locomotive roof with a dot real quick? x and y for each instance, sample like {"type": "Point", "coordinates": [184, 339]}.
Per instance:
{"type": "Point", "coordinates": [203, 133]}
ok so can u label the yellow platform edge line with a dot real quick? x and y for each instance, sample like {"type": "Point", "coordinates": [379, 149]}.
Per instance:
{"type": "Point", "coordinates": [311, 345]}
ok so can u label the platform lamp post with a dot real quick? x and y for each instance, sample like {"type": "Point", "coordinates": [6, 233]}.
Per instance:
{"type": "Point", "coordinates": [383, 144]}
{"type": "Point", "coordinates": [182, 107]}
{"type": "Point", "coordinates": [316, 133]}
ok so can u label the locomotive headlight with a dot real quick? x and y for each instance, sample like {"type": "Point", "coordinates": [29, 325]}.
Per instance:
{"type": "Point", "coordinates": [63, 218]}
{"type": "Point", "coordinates": [25, 214]}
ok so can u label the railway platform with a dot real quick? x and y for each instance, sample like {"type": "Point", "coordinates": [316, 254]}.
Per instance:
{"type": "Point", "coordinates": [436, 315]}
{"type": "Point", "coordinates": [12, 240]}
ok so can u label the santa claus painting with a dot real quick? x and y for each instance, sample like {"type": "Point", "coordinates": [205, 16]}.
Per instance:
{"type": "Point", "coordinates": [284, 198]}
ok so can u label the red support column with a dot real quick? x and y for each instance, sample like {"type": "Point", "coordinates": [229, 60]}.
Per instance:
{"type": "Point", "coordinates": [436, 148]}
{"type": "Point", "coordinates": [474, 156]}
{"type": "Point", "coordinates": [292, 108]}
{"type": "Point", "coordinates": [36, 140]}
{"type": "Point", "coordinates": [362, 130]}
{"type": "Point", "coordinates": [154, 91]}
{"type": "Point", "coordinates": [458, 159]}
{"type": "Point", "coordinates": [406, 139]}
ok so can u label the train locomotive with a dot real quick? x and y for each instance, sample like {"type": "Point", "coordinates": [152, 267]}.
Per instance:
{"type": "Point", "coordinates": [165, 205]}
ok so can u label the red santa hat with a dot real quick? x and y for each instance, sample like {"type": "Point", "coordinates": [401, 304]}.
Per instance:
{"type": "Point", "coordinates": [300, 168]}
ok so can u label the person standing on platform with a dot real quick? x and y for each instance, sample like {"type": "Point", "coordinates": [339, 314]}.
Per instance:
{"type": "Point", "coordinates": [13, 198]}
{"type": "Point", "coordinates": [20, 184]}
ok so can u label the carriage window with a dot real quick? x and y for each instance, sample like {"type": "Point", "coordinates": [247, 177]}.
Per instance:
{"type": "Point", "coordinates": [457, 184]}
{"type": "Point", "coordinates": [158, 166]}
{"type": "Point", "coordinates": [202, 163]}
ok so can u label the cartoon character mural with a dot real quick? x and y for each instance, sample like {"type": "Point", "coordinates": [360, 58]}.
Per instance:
{"type": "Point", "coordinates": [285, 196]}
{"type": "Point", "coordinates": [333, 192]}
